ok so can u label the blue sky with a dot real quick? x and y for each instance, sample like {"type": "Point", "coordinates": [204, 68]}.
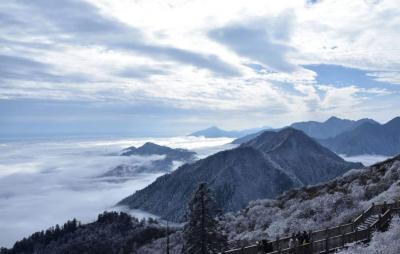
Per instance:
{"type": "Point", "coordinates": [156, 68]}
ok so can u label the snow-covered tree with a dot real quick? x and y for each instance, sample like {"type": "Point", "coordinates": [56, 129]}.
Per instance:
{"type": "Point", "coordinates": [381, 242]}
{"type": "Point", "coordinates": [201, 233]}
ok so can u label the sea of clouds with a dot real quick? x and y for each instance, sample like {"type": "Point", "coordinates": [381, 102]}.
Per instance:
{"type": "Point", "coordinates": [46, 182]}
{"type": "Point", "coordinates": [366, 159]}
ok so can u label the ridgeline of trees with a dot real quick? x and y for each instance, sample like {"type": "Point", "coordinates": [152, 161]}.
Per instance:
{"type": "Point", "coordinates": [112, 232]}
{"type": "Point", "coordinates": [121, 233]}
{"type": "Point", "coordinates": [28, 245]}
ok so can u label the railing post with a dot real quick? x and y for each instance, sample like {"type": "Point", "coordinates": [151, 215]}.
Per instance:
{"type": "Point", "coordinates": [356, 235]}
{"type": "Point", "coordinates": [369, 229]}
{"type": "Point", "coordinates": [327, 240]}
{"type": "Point", "coordinates": [278, 245]}
{"type": "Point", "coordinates": [343, 239]}
{"type": "Point", "coordinates": [327, 244]}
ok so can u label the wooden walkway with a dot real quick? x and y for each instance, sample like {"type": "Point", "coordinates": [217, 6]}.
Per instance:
{"type": "Point", "coordinates": [331, 239]}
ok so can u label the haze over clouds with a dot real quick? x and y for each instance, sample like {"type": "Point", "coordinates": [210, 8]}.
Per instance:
{"type": "Point", "coordinates": [43, 183]}
{"type": "Point", "coordinates": [366, 159]}
{"type": "Point", "coordinates": [152, 67]}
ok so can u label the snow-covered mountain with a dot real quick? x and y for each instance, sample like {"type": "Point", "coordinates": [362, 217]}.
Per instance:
{"type": "Point", "coordinates": [319, 206]}
{"type": "Point", "coordinates": [263, 168]}
{"type": "Point", "coordinates": [300, 157]}
{"type": "Point", "coordinates": [313, 207]}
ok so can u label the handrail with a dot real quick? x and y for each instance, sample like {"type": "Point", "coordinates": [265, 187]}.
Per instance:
{"type": "Point", "coordinates": [365, 213]}
{"type": "Point", "coordinates": [337, 236]}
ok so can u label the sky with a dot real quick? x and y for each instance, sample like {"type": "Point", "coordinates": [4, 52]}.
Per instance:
{"type": "Point", "coordinates": [164, 68]}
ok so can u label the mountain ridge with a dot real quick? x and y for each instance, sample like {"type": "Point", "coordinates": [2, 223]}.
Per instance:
{"type": "Point", "coordinates": [237, 176]}
{"type": "Point", "coordinates": [368, 138]}
{"type": "Point", "coordinates": [319, 130]}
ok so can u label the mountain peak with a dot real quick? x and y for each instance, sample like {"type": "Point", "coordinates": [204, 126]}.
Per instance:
{"type": "Point", "coordinates": [150, 148]}
{"type": "Point", "coordinates": [150, 145]}
{"type": "Point", "coordinates": [394, 121]}
{"type": "Point", "coordinates": [213, 128]}
{"type": "Point", "coordinates": [215, 132]}
{"type": "Point", "coordinates": [261, 168]}
{"type": "Point", "coordinates": [270, 140]}
{"type": "Point", "coordinates": [334, 118]}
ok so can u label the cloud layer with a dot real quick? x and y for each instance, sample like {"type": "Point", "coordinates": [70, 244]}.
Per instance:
{"type": "Point", "coordinates": [204, 58]}
{"type": "Point", "coordinates": [43, 183]}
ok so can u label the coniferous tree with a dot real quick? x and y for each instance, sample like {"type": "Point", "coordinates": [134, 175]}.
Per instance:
{"type": "Point", "coordinates": [201, 232]}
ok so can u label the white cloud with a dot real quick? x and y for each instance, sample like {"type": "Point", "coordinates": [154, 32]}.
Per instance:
{"type": "Point", "coordinates": [43, 183]}
{"type": "Point", "coordinates": [161, 52]}
{"type": "Point", "coordinates": [386, 76]}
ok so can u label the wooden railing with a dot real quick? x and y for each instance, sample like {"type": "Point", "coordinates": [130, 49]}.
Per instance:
{"type": "Point", "coordinates": [331, 239]}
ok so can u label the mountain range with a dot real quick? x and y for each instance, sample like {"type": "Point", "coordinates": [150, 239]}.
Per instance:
{"type": "Point", "coordinates": [264, 167]}
{"type": "Point", "coordinates": [215, 132]}
{"type": "Point", "coordinates": [367, 138]}
{"type": "Point", "coordinates": [163, 164]}
{"type": "Point", "coordinates": [330, 128]}
{"type": "Point", "coordinates": [319, 130]}
{"type": "Point", "coordinates": [348, 137]}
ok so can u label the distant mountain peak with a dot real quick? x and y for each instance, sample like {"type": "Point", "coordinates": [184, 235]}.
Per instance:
{"type": "Point", "coordinates": [216, 132]}
{"type": "Point", "coordinates": [150, 148]}
{"type": "Point", "coordinates": [163, 164]}
{"type": "Point", "coordinates": [334, 118]}
{"type": "Point", "coordinates": [151, 145]}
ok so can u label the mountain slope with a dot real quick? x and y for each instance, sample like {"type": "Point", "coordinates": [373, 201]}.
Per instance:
{"type": "Point", "coordinates": [236, 177]}
{"type": "Point", "coordinates": [262, 168]}
{"type": "Point", "coordinates": [308, 208]}
{"type": "Point", "coordinates": [247, 138]}
{"type": "Point", "coordinates": [368, 138]}
{"type": "Point", "coordinates": [300, 156]}
{"type": "Point", "coordinates": [319, 206]}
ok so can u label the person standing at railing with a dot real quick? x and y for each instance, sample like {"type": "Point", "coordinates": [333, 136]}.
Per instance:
{"type": "Point", "coordinates": [306, 238]}
{"type": "Point", "coordinates": [300, 238]}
